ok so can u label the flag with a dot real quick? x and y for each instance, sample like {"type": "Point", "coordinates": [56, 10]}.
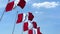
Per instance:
{"type": "Point", "coordinates": [30, 31]}
{"type": "Point", "coordinates": [34, 24]}
{"type": "Point", "coordinates": [13, 4]}
{"type": "Point", "coordinates": [27, 26]}
{"type": "Point", "coordinates": [21, 18]}
{"type": "Point", "coordinates": [25, 17]}
{"type": "Point", "coordinates": [30, 16]}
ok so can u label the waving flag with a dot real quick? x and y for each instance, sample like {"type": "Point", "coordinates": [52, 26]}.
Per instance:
{"type": "Point", "coordinates": [13, 4]}
{"type": "Point", "coordinates": [21, 18]}
{"type": "Point", "coordinates": [27, 26]}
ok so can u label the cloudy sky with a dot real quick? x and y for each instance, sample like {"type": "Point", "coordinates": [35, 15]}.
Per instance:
{"type": "Point", "coordinates": [46, 12]}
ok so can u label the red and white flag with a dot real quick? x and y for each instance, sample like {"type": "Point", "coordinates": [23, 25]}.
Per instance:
{"type": "Point", "coordinates": [21, 18]}
{"type": "Point", "coordinates": [27, 26]}
{"type": "Point", "coordinates": [25, 17]}
{"type": "Point", "coordinates": [13, 4]}
{"type": "Point", "coordinates": [31, 28]}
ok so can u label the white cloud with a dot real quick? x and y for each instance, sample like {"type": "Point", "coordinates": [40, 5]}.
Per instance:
{"type": "Point", "coordinates": [46, 4]}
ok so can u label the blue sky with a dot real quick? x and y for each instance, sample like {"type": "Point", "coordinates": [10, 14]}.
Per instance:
{"type": "Point", "coordinates": [46, 12]}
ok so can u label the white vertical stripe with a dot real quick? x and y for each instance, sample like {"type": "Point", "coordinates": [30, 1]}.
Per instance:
{"type": "Point", "coordinates": [16, 2]}
{"type": "Point", "coordinates": [30, 25]}
{"type": "Point", "coordinates": [34, 31]}
{"type": "Point", "coordinates": [24, 17]}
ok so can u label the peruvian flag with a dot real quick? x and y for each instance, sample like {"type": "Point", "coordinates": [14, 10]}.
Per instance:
{"type": "Point", "coordinates": [21, 18]}
{"type": "Point", "coordinates": [25, 17]}
{"type": "Point", "coordinates": [27, 26]}
{"type": "Point", "coordinates": [13, 4]}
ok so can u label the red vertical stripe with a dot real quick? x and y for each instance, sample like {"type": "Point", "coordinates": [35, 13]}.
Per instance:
{"type": "Point", "coordinates": [30, 16]}
{"type": "Point", "coordinates": [34, 24]}
{"type": "Point", "coordinates": [20, 18]}
{"type": "Point", "coordinates": [9, 6]}
{"type": "Point", "coordinates": [30, 31]}
{"type": "Point", "coordinates": [38, 30]}
{"type": "Point", "coordinates": [21, 3]}
{"type": "Point", "coordinates": [25, 26]}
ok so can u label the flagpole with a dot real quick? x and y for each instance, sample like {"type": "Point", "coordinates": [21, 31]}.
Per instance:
{"type": "Point", "coordinates": [14, 25]}
{"type": "Point", "coordinates": [3, 13]}
{"type": "Point", "coordinates": [13, 28]}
